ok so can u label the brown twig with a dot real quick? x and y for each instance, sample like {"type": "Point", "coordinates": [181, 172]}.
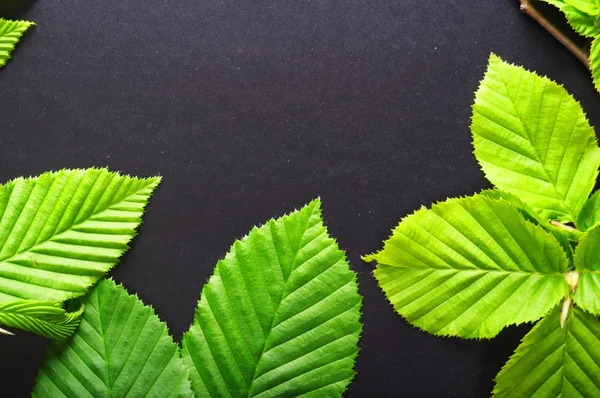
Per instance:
{"type": "Point", "coordinates": [580, 53]}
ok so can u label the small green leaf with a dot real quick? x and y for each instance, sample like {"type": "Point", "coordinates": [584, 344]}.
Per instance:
{"type": "Point", "coordinates": [469, 267]}
{"type": "Point", "coordinates": [589, 7]}
{"type": "Point", "coordinates": [553, 361]}
{"type": "Point", "coordinates": [62, 231]}
{"type": "Point", "coordinates": [533, 140]}
{"type": "Point", "coordinates": [279, 317]}
{"type": "Point", "coordinates": [10, 34]}
{"type": "Point", "coordinates": [590, 213]}
{"type": "Point", "coordinates": [595, 62]}
{"type": "Point", "coordinates": [46, 318]}
{"type": "Point", "coordinates": [587, 263]}
{"type": "Point", "coordinates": [120, 349]}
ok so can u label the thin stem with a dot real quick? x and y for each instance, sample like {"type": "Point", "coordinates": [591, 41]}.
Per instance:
{"type": "Point", "coordinates": [564, 226]}
{"type": "Point", "coordinates": [580, 53]}
{"type": "Point", "coordinates": [6, 332]}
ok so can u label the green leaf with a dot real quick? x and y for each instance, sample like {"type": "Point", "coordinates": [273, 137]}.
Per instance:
{"type": "Point", "coordinates": [120, 349]}
{"type": "Point", "coordinates": [590, 213]}
{"type": "Point", "coordinates": [533, 140]}
{"type": "Point", "coordinates": [553, 361]}
{"type": "Point", "coordinates": [595, 62]}
{"type": "Point", "coordinates": [587, 263]}
{"type": "Point", "coordinates": [469, 267]}
{"type": "Point", "coordinates": [589, 7]}
{"type": "Point", "coordinates": [10, 34]}
{"type": "Point", "coordinates": [564, 235]}
{"type": "Point", "coordinates": [62, 231]}
{"type": "Point", "coordinates": [46, 318]}
{"type": "Point", "coordinates": [584, 24]}
{"type": "Point", "coordinates": [279, 317]}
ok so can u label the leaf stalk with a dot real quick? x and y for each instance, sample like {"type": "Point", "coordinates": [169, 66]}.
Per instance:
{"type": "Point", "coordinates": [580, 53]}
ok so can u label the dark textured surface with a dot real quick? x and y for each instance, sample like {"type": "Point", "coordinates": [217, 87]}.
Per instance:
{"type": "Point", "coordinates": [252, 108]}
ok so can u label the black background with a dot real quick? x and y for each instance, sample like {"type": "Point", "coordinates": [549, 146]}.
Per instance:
{"type": "Point", "coordinates": [251, 108]}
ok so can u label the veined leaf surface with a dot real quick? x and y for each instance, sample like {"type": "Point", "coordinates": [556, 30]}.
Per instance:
{"type": "Point", "coordinates": [10, 34]}
{"type": "Point", "coordinates": [554, 362]}
{"type": "Point", "coordinates": [589, 217]}
{"type": "Point", "coordinates": [595, 62]}
{"type": "Point", "coordinates": [533, 140]}
{"type": "Point", "coordinates": [587, 263]}
{"type": "Point", "coordinates": [279, 317]}
{"type": "Point", "coordinates": [564, 236]}
{"type": "Point", "coordinates": [589, 7]}
{"type": "Point", "coordinates": [62, 231]}
{"type": "Point", "coordinates": [469, 267]}
{"type": "Point", "coordinates": [121, 349]}
{"type": "Point", "coordinates": [46, 318]}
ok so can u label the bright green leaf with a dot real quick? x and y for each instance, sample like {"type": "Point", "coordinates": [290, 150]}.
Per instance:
{"type": "Point", "coordinates": [10, 34]}
{"type": "Point", "coordinates": [62, 231]}
{"type": "Point", "coordinates": [584, 24]}
{"type": "Point", "coordinates": [120, 349]}
{"type": "Point", "coordinates": [590, 213]}
{"type": "Point", "coordinates": [554, 362]}
{"type": "Point", "coordinates": [279, 317]}
{"type": "Point", "coordinates": [46, 318]}
{"type": "Point", "coordinates": [533, 140]}
{"type": "Point", "coordinates": [469, 267]}
{"type": "Point", "coordinates": [595, 62]}
{"type": "Point", "coordinates": [589, 7]}
{"type": "Point", "coordinates": [587, 263]}
{"type": "Point", "coordinates": [564, 235]}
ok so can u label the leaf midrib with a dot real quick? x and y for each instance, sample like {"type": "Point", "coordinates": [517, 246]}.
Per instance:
{"type": "Point", "coordinates": [560, 197]}
{"type": "Point", "coordinates": [264, 346]}
{"type": "Point", "coordinates": [483, 271]}
{"type": "Point", "coordinates": [73, 226]}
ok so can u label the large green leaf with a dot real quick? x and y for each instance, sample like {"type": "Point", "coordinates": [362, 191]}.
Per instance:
{"type": "Point", "coordinates": [47, 318]}
{"type": "Point", "coordinates": [554, 362]}
{"type": "Point", "coordinates": [532, 139]}
{"type": "Point", "coordinates": [587, 263]}
{"type": "Point", "coordinates": [468, 267]}
{"type": "Point", "coordinates": [62, 231]}
{"type": "Point", "coordinates": [589, 217]}
{"type": "Point", "coordinates": [279, 317]}
{"type": "Point", "coordinates": [10, 34]}
{"type": "Point", "coordinates": [121, 349]}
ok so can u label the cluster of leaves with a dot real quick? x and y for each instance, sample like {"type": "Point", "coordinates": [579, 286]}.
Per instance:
{"type": "Point", "coordinates": [10, 34]}
{"type": "Point", "coordinates": [524, 251]}
{"type": "Point", "coordinates": [280, 315]}
{"type": "Point", "coordinates": [59, 234]}
{"type": "Point", "coordinates": [584, 18]}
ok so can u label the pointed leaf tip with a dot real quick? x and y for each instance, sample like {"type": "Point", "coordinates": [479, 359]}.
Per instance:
{"type": "Point", "coordinates": [283, 311]}
{"type": "Point", "coordinates": [10, 34]}
{"type": "Point", "coordinates": [121, 336]}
